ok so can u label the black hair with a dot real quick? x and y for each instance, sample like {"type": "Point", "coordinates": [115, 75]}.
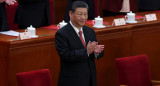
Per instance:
{"type": "Point", "coordinates": [78, 4]}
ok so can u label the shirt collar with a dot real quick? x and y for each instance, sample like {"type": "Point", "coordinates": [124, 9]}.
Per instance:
{"type": "Point", "coordinates": [75, 28]}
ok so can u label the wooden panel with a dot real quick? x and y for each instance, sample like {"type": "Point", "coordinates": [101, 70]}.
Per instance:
{"type": "Point", "coordinates": [3, 72]}
{"type": "Point", "coordinates": [147, 42]}
{"type": "Point", "coordinates": [40, 56]}
{"type": "Point", "coordinates": [28, 55]}
{"type": "Point", "coordinates": [116, 45]}
{"type": "Point", "coordinates": [3, 64]}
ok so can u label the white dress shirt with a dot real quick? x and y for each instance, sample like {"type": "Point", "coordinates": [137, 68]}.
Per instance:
{"type": "Point", "coordinates": [77, 31]}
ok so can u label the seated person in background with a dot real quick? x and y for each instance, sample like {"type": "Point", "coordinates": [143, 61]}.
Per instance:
{"type": "Point", "coordinates": [32, 12]}
{"type": "Point", "coordinates": [117, 7]}
{"type": "Point", "coordinates": [3, 14]}
{"type": "Point", "coordinates": [148, 5]}
{"type": "Point", "coordinates": [91, 11]}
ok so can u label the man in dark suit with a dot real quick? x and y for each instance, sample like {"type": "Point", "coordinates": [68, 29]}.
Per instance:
{"type": "Point", "coordinates": [77, 47]}
{"type": "Point", "coordinates": [91, 11]}
{"type": "Point", "coordinates": [32, 12]}
{"type": "Point", "coordinates": [3, 14]}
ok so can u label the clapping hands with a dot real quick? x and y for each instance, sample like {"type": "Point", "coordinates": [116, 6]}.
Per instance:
{"type": "Point", "coordinates": [94, 47]}
{"type": "Point", "coordinates": [10, 2]}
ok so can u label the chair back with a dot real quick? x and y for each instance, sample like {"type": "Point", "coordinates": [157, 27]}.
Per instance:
{"type": "Point", "coordinates": [34, 78]}
{"type": "Point", "coordinates": [134, 71]}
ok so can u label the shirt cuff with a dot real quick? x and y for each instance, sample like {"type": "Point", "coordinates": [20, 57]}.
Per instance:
{"type": "Point", "coordinates": [96, 55]}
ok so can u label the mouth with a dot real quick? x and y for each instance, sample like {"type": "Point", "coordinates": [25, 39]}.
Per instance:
{"type": "Point", "coordinates": [82, 21]}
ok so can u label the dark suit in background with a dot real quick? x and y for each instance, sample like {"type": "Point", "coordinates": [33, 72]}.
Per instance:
{"type": "Point", "coordinates": [91, 11]}
{"type": "Point", "coordinates": [3, 18]}
{"type": "Point", "coordinates": [77, 68]}
{"type": "Point", "coordinates": [148, 5]}
{"type": "Point", "coordinates": [33, 12]}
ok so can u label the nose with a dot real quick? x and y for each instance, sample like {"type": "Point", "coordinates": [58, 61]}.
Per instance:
{"type": "Point", "coordinates": [83, 17]}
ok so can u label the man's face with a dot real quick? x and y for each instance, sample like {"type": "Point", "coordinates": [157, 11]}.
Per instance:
{"type": "Point", "coordinates": [79, 17]}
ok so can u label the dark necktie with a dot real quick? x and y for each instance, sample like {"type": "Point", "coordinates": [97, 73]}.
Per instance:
{"type": "Point", "coordinates": [80, 35]}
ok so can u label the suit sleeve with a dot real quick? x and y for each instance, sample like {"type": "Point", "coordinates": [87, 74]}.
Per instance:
{"type": "Point", "coordinates": [66, 53]}
{"type": "Point", "coordinates": [100, 54]}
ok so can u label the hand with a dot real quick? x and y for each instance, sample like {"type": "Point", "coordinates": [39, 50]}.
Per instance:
{"type": "Point", "coordinates": [2, 1]}
{"type": "Point", "coordinates": [10, 2]}
{"type": "Point", "coordinates": [91, 46]}
{"type": "Point", "coordinates": [98, 49]}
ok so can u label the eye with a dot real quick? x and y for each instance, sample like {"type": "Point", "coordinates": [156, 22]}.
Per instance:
{"type": "Point", "coordinates": [79, 14]}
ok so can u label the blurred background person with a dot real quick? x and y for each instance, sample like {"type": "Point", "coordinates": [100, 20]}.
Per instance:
{"type": "Point", "coordinates": [3, 13]}
{"type": "Point", "coordinates": [118, 7]}
{"type": "Point", "coordinates": [33, 12]}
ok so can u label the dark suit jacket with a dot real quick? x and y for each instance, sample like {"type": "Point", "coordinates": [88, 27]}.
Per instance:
{"type": "Point", "coordinates": [149, 5]}
{"type": "Point", "coordinates": [91, 11]}
{"type": "Point", "coordinates": [77, 68]}
{"type": "Point", "coordinates": [33, 12]}
{"type": "Point", "coordinates": [3, 18]}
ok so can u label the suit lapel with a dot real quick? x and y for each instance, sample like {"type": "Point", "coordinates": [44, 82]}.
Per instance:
{"type": "Point", "coordinates": [85, 35]}
{"type": "Point", "coordinates": [74, 35]}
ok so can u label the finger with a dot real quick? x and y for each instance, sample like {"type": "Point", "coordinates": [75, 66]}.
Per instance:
{"type": "Point", "coordinates": [101, 49]}
{"type": "Point", "coordinates": [96, 47]}
{"type": "Point", "coordinates": [92, 44]}
{"type": "Point", "coordinates": [98, 52]}
{"type": "Point", "coordinates": [14, 1]}
{"type": "Point", "coordinates": [8, 2]}
{"type": "Point", "coordinates": [89, 42]}
{"type": "Point", "coordinates": [11, 3]}
{"type": "Point", "coordinates": [96, 43]}
{"type": "Point", "coordinates": [101, 45]}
